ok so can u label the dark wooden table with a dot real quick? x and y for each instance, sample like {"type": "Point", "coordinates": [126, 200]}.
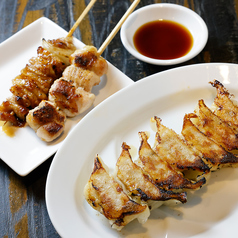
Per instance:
{"type": "Point", "coordinates": [23, 210]}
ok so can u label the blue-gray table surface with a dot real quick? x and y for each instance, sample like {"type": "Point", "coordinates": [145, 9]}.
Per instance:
{"type": "Point", "coordinates": [23, 211]}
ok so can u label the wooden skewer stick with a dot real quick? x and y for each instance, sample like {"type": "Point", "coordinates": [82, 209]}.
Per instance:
{"type": "Point", "coordinates": [86, 10]}
{"type": "Point", "coordinates": [118, 26]}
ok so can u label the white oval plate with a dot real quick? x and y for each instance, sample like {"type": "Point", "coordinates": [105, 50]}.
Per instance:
{"type": "Point", "coordinates": [210, 212]}
{"type": "Point", "coordinates": [29, 150]}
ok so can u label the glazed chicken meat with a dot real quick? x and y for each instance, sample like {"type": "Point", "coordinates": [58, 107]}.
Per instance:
{"type": "Point", "coordinates": [33, 84]}
{"type": "Point", "coordinates": [61, 76]}
{"type": "Point", "coordinates": [46, 120]}
{"type": "Point", "coordinates": [70, 99]}
{"type": "Point", "coordinates": [72, 92]}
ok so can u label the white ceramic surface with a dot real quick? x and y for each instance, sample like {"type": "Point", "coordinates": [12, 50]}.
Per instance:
{"type": "Point", "coordinates": [210, 212]}
{"type": "Point", "coordinates": [166, 11]}
{"type": "Point", "coordinates": [25, 151]}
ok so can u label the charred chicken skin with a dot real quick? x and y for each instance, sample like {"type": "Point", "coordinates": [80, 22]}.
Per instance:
{"type": "Point", "coordinates": [33, 84]}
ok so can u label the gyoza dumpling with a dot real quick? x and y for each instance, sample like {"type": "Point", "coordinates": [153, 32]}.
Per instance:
{"type": "Point", "coordinates": [141, 186]}
{"type": "Point", "coordinates": [163, 174]}
{"type": "Point", "coordinates": [171, 148]}
{"type": "Point", "coordinates": [105, 195]}
{"type": "Point", "coordinates": [225, 107]}
{"type": "Point", "coordinates": [216, 156]}
{"type": "Point", "coordinates": [214, 128]}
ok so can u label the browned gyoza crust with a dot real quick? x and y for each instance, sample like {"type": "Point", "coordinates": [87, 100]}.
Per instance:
{"type": "Point", "coordinates": [226, 109]}
{"type": "Point", "coordinates": [170, 147]}
{"type": "Point", "coordinates": [138, 183]}
{"type": "Point", "coordinates": [215, 128]}
{"type": "Point", "coordinates": [216, 156]}
{"type": "Point", "coordinates": [105, 195]}
{"type": "Point", "coordinates": [162, 173]}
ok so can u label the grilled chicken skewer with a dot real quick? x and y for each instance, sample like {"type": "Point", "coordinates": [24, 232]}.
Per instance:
{"type": "Point", "coordinates": [83, 61]}
{"type": "Point", "coordinates": [33, 84]}
{"type": "Point", "coordinates": [71, 94]}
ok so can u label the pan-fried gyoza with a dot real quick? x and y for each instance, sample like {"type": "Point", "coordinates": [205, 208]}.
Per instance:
{"type": "Point", "coordinates": [172, 148]}
{"type": "Point", "coordinates": [105, 195]}
{"type": "Point", "coordinates": [215, 155]}
{"type": "Point", "coordinates": [139, 185]}
{"type": "Point", "coordinates": [214, 127]}
{"type": "Point", "coordinates": [207, 142]}
{"type": "Point", "coordinates": [161, 171]}
{"type": "Point", "coordinates": [225, 108]}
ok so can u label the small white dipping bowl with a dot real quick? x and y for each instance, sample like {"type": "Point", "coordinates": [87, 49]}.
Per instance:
{"type": "Point", "coordinates": [165, 11]}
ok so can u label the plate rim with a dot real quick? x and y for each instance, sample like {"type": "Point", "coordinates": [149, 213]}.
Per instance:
{"type": "Point", "coordinates": [58, 156]}
{"type": "Point", "coordinates": [29, 163]}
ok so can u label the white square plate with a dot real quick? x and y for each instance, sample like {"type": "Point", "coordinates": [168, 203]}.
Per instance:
{"type": "Point", "coordinates": [25, 151]}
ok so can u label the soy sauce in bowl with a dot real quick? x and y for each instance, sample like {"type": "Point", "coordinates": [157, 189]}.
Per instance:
{"type": "Point", "coordinates": [163, 39]}
{"type": "Point", "coordinates": [163, 47]}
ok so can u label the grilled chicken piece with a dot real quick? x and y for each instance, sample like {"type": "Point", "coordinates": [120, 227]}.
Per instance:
{"type": "Point", "coordinates": [61, 47]}
{"type": "Point", "coordinates": [171, 148]}
{"type": "Point", "coordinates": [71, 93]}
{"type": "Point", "coordinates": [216, 156]}
{"type": "Point", "coordinates": [11, 111]}
{"type": "Point", "coordinates": [105, 195]}
{"type": "Point", "coordinates": [70, 99]}
{"type": "Point", "coordinates": [46, 120]}
{"type": "Point", "coordinates": [162, 173]}
{"type": "Point", "coordinates": [33, 84]}
{"type": "Point", "coordinates": [88, 58]}
{"type": "Point", "coordinates": [225, 107]}
{"type": "Point", "coordinates": [139, 185]}
{"type": "Point", "coordinates": [81, 77]}
{"type": "Point", "coordinates": [213, 127]}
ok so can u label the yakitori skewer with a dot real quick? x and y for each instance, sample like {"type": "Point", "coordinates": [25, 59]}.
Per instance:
{"type": "Point", "coordinates": [70, 93]}
{"type": "Point", "coordinates": [86, 10]}
{"type": "Point", "coordinates": [117, 27]}
{"type": "Point", "coordinates": [32, 85]}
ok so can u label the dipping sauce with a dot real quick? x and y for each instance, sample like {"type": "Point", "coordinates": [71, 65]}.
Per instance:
{"type": "Point", "coordinates": [163, 39]}
{"type": "Point", "coordinates": [8, 129]}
